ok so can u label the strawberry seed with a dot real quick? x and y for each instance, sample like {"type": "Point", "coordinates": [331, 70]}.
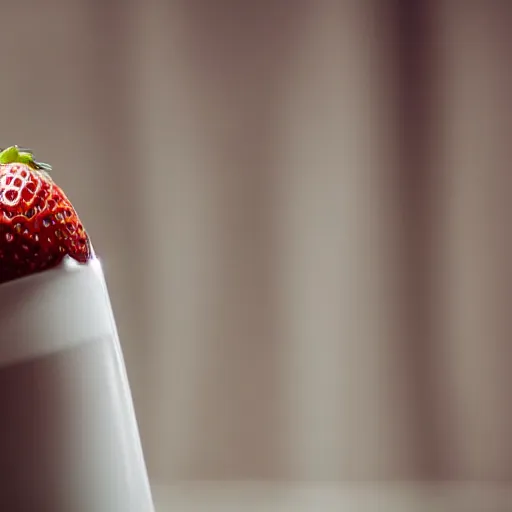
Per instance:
{"type": "Point", "coordinates": [11, 195]}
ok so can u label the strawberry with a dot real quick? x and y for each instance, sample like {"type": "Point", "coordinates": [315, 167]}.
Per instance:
{"type": "Point", "coordinates": [38, 224]}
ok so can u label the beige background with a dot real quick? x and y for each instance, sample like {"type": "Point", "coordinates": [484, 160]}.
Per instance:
{"type": "Point", "coordinates": [303, 213]}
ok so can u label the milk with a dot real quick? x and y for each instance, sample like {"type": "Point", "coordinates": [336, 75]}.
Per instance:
{"type": "Point", "coordinates": [69, 440]}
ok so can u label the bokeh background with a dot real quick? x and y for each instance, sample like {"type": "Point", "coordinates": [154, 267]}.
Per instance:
{"type": "Point", "coordinates": [303, 210]}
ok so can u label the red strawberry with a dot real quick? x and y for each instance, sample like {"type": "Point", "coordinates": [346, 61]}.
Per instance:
{"type": "Point", "coordinates": [38, 224]}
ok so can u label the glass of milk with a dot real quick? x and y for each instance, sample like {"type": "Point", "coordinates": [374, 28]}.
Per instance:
{"type": "Point", "coordinates": [69, 439]}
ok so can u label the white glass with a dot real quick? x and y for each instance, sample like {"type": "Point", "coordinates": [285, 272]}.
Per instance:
{"type": "Point", "coordinates": [69, 439]}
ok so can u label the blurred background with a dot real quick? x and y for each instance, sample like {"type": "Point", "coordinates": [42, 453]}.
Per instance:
{"type": "Point", "coordinates": [301, 208]}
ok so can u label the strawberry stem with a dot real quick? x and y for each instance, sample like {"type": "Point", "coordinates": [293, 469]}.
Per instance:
{"type": "Point", "coordinates": [14, 154]}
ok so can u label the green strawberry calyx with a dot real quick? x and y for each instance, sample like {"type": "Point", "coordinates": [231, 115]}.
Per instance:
{"type": "Point", "coordinates": [15, 154]}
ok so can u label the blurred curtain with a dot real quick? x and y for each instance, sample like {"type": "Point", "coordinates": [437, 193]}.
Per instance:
{"type": "Point", "coordinates": [303, 209]}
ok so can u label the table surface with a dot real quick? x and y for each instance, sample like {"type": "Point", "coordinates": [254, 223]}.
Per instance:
{"type": "Point", "coordinates": [326, 497]}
